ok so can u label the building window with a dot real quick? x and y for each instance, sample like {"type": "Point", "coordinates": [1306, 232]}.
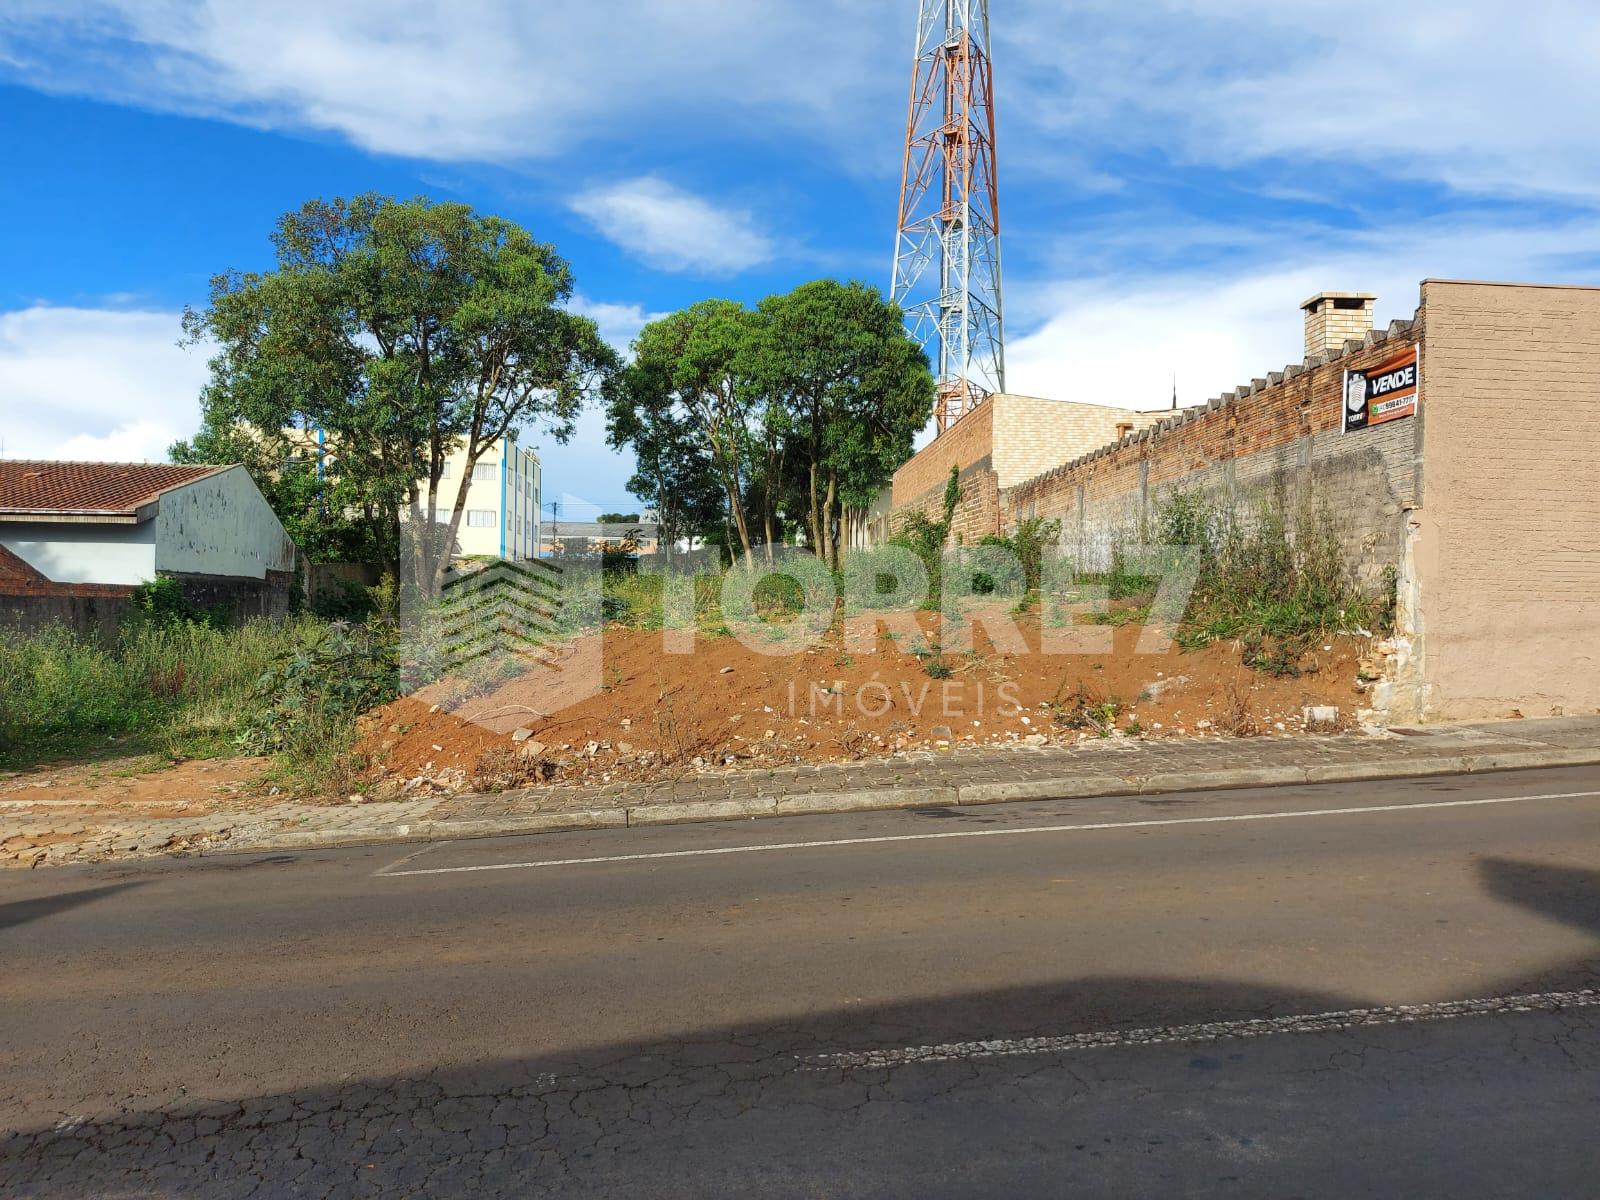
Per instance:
{"type": "Point", "coordinates": [481, 518]}
{"type": "Point", "coordinates": [445, 470]}
{"type": "Point", "coordinates": [484, 471]}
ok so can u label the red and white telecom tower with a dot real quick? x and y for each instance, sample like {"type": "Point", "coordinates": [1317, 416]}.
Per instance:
{"type": "Point", "coordinates": [947, 251]}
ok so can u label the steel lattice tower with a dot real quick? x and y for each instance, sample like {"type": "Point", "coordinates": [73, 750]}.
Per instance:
{"type": "Point", "coordinates": [947, 251]}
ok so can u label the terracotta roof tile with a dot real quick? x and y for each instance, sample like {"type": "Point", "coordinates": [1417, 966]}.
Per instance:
{"type": "Point", "coordinates": [112, 489]}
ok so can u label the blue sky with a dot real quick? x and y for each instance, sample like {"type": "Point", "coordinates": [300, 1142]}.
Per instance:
{"type": "Point", "coordinates": [1176, 176]}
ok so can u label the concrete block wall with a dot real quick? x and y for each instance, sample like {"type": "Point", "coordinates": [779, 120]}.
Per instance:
{"type": "Point", "coordinates": [1334, 318]}
{"type": "Point", "coordinates": [1275, 438]}
{"type": "Point", "coordinates": [1033, 435]}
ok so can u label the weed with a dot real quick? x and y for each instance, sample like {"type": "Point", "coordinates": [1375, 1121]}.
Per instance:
{"type": "Point", "coordinates": [1118, 617]}
{"type": "Point", "coordinates": [1084, 708]}
{"type": "Point", "coordinates": [1272, 587]}
{"type": "Point", "coordinates": [1237, 718]}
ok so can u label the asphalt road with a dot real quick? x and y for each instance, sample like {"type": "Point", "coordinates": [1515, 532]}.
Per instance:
{"type": "Point", "coordinates": [1004, 1001]}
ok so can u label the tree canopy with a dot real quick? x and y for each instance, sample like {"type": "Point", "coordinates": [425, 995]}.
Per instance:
{"type": "Point", "coordinates": [403, 331]}
{"type": "Point", "coordinates": [803, 406]}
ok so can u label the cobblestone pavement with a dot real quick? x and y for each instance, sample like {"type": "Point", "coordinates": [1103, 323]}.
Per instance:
{"type": "Point", "coordinates": [35, 835]}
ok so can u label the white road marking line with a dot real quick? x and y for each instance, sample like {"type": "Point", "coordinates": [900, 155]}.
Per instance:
{"type": "Point", "coordinates": [977, 833]}
{"type": "Point", "coordinates": [401, 861]}
{"type": "Point", "coordinates": [1212, 1031]}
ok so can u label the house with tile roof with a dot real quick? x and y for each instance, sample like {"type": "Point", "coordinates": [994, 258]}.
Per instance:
{"type": "Point", "coordinates": [81, 531]}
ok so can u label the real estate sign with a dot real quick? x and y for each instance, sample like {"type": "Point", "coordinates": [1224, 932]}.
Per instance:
{"type": "Point", "coordinates": [1386, 392]}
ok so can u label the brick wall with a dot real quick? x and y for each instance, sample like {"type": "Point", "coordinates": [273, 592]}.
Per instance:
{"type": "Point", "coordinates": [1001, 443]}
{"type": "Point", "coordinates": [1508, 543]}
{"type": "Point", "coordinates": [88, 609]}
{"type": "Point", "coordinates": [1329, 326]}
{"type": "Point", "coordinates": [30, 605]}
{"type": "Point", "coordinates": [1279, 436]}
{"type": "Point", "coordinates": [965, 445]}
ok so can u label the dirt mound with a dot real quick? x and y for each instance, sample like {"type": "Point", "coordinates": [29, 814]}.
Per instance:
{"type": "Point", "coordinates": [619, 707]}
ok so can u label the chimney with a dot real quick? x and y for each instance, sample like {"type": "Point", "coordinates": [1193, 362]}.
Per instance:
{"type": "Point", "coordinates": [1333, 318]}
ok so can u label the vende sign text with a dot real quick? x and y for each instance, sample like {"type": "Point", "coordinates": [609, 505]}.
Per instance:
{"type": "Point", "coordinates": [1383, 393]}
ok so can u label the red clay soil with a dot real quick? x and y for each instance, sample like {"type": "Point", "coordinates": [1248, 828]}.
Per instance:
{"type": "Point", "coordinates": [154, 788]}
{"type": "Point", "coordinates": [727, 705]}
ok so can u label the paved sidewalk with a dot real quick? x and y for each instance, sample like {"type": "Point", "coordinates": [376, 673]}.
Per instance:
{"type": "Point", "coordinates": [66, 833]}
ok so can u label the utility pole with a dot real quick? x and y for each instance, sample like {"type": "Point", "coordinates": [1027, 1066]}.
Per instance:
{"type": "Point", "coordinates": [947, 248]}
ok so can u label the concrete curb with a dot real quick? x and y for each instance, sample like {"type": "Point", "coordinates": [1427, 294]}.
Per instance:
{"type": "Point", "coordinates": [688, 811]}
{"type": "Point", "coordinates": [837, 802]}
{"type": "Point", "coordinates": [1452, 764]}
{"type": "Point", "coordinates": [1076, 787]}
{"type": "Point", "coordinates": [1072, 787]}
{"type": "Point", "coordinates": [1519, 760]}
{"type": "Point", "coordinates": [1209, 781]}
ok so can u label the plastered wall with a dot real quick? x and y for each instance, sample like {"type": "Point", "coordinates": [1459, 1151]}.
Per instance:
{"type": "Point", "coordinates": [1507, 545]}
{"type": "Point", "coordinates": [220, 525]}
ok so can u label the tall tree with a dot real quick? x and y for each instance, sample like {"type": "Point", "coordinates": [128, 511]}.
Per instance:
{"type": "Point", "coordinates": [689, 376]}
{"type": "Point", "coordinates": [674, 471]}
{"type": "Point", "coordinates": [404, 330]}
{"type": "Point", "coordinates": [856, 389]}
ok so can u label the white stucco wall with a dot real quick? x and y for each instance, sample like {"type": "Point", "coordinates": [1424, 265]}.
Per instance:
{"type": "Point", "coordinates": [67, 553]}
{"type": "Point", "coordinates": [220, 525]}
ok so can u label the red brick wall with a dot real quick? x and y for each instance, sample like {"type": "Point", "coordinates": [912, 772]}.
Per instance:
{"type": "Point", "coordinates": [966, 444]}
{"type": "Point", "coordinates": [1286, 428]}
{"type": "Point", "coordinates": [969, 446]}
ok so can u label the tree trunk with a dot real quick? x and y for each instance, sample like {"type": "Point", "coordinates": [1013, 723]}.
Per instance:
{"type": "Point", "coordinates": [736, 507]}
{"type": "Point", "coordinates": [829, 523]}
{"type": "Point", "coordinates": [815, 524]}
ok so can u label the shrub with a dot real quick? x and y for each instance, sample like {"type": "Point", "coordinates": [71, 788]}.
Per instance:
{"type": "Point", "coordinates": [345, 601]}
{"type": "Point", "coordinates": [310, 697]}
{"type": "Point", "coordinates": [1272, 587]}
{"type": "Point", "coordinates": [176, 687]}
{"type": "Point", "coordinates": [926, 538]}
{"type": "Point", "coordinates": [161, 601]}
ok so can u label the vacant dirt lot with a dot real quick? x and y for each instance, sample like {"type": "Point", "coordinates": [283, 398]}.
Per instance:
{"type": "Point", "coordinates": [726, 704]}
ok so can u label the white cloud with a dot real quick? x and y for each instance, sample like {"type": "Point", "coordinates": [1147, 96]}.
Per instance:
{"type": "Point", "coordinates": [96, 384]}
{"type": "Point", "coordinates": [675, 230]}
{"type": "Point", "coordinates": [1474, 93]}
{"type": "Point", "coordinates": [619, 323]}
{"type": "Point", "coordinates": [497, 79]}
{"type": "Point", "coordinates": [1115, 339]}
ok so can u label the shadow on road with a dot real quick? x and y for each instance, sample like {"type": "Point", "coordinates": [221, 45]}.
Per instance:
{"type": "Point", "coordinates": [744, 1109]}
{"type": "Point", "coordinates": [1570, 895]}
{"type": "Point", "coordinates": [20, 912]}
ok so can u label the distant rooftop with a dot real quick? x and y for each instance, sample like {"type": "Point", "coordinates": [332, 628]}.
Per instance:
{"type": "Point", "coordinates": [89, 489]}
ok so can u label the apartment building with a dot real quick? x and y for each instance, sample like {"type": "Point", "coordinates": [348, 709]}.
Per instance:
{"type": "Point", "coordinates": [503, 498]}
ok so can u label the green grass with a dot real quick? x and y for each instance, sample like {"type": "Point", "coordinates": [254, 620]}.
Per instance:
{"type": "Point", "coordinates": [1271, 588]}
{"type": "Point", "coordinates": [174, 690]}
